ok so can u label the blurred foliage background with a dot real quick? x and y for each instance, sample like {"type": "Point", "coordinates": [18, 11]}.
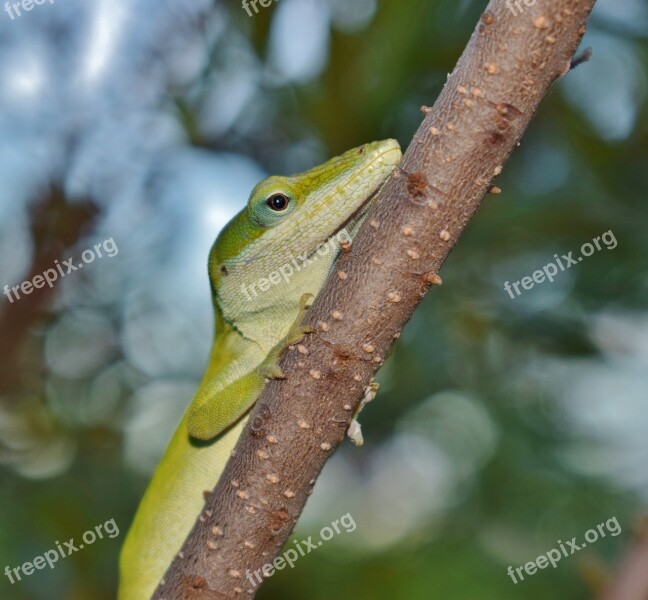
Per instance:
{"type": "Point", "coordinates": [502, 425]}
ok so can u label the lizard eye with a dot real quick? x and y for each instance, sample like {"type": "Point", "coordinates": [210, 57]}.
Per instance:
{"type": "Point", "coordinates": [278, 202]}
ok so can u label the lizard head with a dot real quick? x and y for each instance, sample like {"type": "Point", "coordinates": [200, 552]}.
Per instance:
{"type": "Point", "coordinates": [290, 216]}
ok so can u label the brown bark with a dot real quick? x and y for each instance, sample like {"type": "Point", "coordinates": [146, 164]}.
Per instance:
{"type": "Point", "coordinates": [507, 68]}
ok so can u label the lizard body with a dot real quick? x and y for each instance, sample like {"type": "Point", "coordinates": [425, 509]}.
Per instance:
{"type": "Point", "coordinates": [265, 264]}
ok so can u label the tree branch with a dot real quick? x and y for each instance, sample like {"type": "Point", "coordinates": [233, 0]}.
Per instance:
{"type": "Point", "coordinates": [507, 68]}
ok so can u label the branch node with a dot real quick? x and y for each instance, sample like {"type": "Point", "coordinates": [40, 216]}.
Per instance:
{"type": "Point", "coordinates": [487, 18]}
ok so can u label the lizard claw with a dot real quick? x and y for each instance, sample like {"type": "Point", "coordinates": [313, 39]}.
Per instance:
{"type": "Point", "coordinates": [305, 302]}
{"type": "Point", "coordinates": [272, 371]}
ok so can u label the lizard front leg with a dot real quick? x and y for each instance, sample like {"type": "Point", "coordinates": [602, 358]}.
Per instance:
{"type": "Point", "coordinates": [217, 408]}
{"type": "Point", "coordinates": [270, 368]}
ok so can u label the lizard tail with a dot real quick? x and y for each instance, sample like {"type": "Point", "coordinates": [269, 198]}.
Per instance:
{"type": "Point", "coordinates": [169, 508]}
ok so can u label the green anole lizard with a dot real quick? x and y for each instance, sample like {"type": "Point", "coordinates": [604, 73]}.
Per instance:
{"type": "Point", "coordinates": [264, 268]}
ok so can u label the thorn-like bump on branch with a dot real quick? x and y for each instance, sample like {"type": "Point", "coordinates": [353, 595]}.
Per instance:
{"type": "Point", "coordinates": [432, 279]}
{"type": "Point", "coordinates": [487, 18]}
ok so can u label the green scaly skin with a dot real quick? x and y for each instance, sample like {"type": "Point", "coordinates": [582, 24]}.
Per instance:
{"type": "Point", "coordinates": [255, 322]}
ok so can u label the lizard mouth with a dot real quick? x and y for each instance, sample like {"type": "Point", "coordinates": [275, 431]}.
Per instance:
{"type": "Point", "coordinates": [358, 212]}
{"type": "Point", "coordinates": [352, 219]}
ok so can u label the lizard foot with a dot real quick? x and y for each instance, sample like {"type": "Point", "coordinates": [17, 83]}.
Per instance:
{"type": "Point", "coordinates": [270, 368]}
{"type": "Point", "coordinates": [297, 331]}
